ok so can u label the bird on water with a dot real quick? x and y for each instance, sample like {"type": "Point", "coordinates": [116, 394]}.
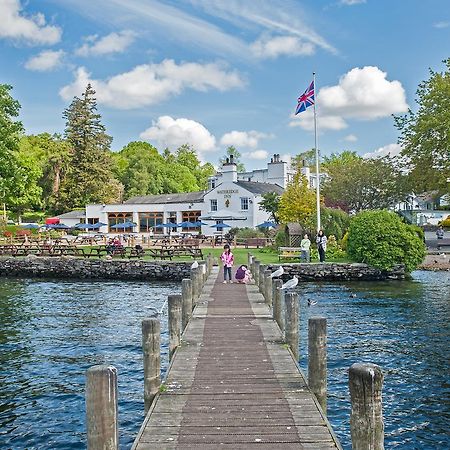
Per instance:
{"type": "Point", "coordinates": [277, 272]}
{"type": "Point", "coordinates": [290, 284]}
{"type": "Point", "coordinates": [311, 302]}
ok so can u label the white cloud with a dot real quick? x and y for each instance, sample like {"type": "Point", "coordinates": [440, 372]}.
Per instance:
{"type": "Point", "coordinates": [149, 84]}
{"type": "Point", "coordinates": [350, 138]}
{"type": "Point", "coordinates": [257, 154]}
{"type": "Point", "coordinates": [442, 24]}
{"type": "Point", "coordinates": [387, 150]}
{"type": "Point", "coordinates": [243, 138]}
{"type": "Point", "coordinates": [32, 30]}
{"type": "Point", "coordinates": [362, 94]}
{"type": "Point", "coordinates": [173, 133]}
{"type": "Point", "coordinates": [352, 2]}
{"type": "Point", "coordinates": [272, 47]}
{"type": "Point", "coordinates": [112, 43]}
{"type": "Point", "coordinates": [45, 61]}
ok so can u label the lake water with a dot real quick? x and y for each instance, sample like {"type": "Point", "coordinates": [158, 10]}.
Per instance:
{"type": "Point", "coordinates": [52, 331]}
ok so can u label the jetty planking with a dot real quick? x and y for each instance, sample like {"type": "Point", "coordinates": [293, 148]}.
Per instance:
{"type": "Point", "coordinates": [232, 382]}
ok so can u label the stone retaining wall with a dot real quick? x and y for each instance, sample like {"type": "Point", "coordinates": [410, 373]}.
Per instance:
{"type": "Point", "coordinates": [124, 269]}
{"type": "Point", "coordinates": [337, 272]}
{"type": "Point", "coordinates": [71, 267]}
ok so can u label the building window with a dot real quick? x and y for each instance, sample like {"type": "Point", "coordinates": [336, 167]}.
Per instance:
{"type": "Point", "coordinates": [121, 217]}
{"type": "Point", "coordinates": [213, 205]}
{"type": "Point", "coordinates": [172, 217]}
{"type": "Point", "coordinates": [191, 216]}
{"type": "Point", "coordinates": [91, 220]}
{"type": "Point", "coordinates": [244, 203]}
{"type": "Point", "coordinates": [149, 220]}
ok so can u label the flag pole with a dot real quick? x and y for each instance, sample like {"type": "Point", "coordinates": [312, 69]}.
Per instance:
{"type": "Point", "coordinates": [317, 156]}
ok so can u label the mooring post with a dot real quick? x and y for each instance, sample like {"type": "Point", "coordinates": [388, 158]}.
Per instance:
{"type": "Point", "coordinates": [317, 359]}
{"type": "Point", "coordinates": [262, 268]}
{"type": "Point", "coordinates": [174, 308]}
{"type": "Point", "coordinates": [256, 272]}
{"type": "Point", "coordinates": [194, 285]}
{"type": "Point", "coordinates": [204, 273]}
{"type": "Point", "coordinates": [249, 259]}
{"type": "Point", "coordinates": [291, 323]}
{"type": "Point", "coordinates": [268, 286]}
{"type": "Point", "coordinates": [151, 347]}
{"type": "Point", "coordinates": [187, 305]}
{"type": "Point", "coordinates": [101, 408]}
{"type": "Point", "coordinates": [366, 419]}
{"type": "Point", "coordinates": [276, 302]}
{"type": "Point", "coordinates": [199, 280]}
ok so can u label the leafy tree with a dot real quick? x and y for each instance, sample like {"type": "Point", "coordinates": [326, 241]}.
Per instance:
{"type": "Point", "coordinates": [18, 174]}
{"type": "Point", "coordinates": [270, 203]}
{"type": "Point", "coordinates": [52, 155]}
{"type": "Point", "coordinates": [334, 222]}
{"type": "Point", "coordinates": [236, 157]}
{"type": "Point", "coordinates": [298, 202]}
{"type": "Point", "coordinates": [382, 240]}
{"type": "Point", "coordinates": [425, 134]}
{"type": "Point", "coordinates": [89, 178]}
{"type": "Point", "coordinates": [309, 157]}
{"type": "Point", "coordinates": [357, 184]}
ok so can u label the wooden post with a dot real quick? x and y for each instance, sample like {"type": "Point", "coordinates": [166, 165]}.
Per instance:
{"type": "Point", "coordinates": [199, 279]}
{"type": "Point", "coordinates": [276, 301]}
{"type": "Point", "coordinates": [366, 419]}
{"type": "Point", "coordinates": [268, 286]}
{"type": "Point", "coordinates": [262, 268]}
{"type": "Point", "coordinates": [151, 346]}
{"type": "Point", "coordinates": [317, 359]}
{"type": "Point", "coordinates": [194, 285]}
{"type": "Point", "coordinates": [256, 272]}
{"type": "Point", "coordinates": [249, 259]}
{"type": "Point", "coordinates": [174, 308]}
{"type": "Point", "coordinates": [186, 309]}
{"type": "Point", "coordinates": [291, 323]}
{"type": "Point", "coordinates": [101, 408]}
{"type": "Point", "coordinates": [204, 273]}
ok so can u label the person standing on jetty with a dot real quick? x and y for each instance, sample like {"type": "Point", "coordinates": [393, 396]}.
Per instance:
{"type": "Point", "coordinates": [305, 246]}
{"type": "Point", "coordinates": [228, 260]}
{"type": "Point", "coordinates": [440, 232]}
{"type": "Point", "coordinates": [321, 241]}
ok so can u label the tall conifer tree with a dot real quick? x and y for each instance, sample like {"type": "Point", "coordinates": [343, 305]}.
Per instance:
{"type": "Point", "coordinates": [89, 178]}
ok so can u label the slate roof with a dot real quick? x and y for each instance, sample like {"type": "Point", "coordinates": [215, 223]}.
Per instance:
{"type": "Point", "coordinates": [72, 215]}
{"type": "Point", "coordinates": [260, 188]}
{"type": "Point", "coordinates": [186, 197]}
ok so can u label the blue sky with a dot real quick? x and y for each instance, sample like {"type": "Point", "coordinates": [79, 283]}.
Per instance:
{"type": "Point", "coordinates": [214, 73]}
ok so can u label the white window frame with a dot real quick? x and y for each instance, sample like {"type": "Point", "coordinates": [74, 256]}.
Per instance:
{"type": "Point", "coordinates": [213, 204]}
{"type": "Point", "coordinates": [243, 199]}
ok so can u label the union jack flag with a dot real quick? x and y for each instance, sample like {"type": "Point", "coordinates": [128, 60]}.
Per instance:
{"type": "Point", "coordinates": [306, 99]}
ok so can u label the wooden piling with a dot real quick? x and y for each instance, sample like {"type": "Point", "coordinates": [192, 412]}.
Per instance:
{"type": "Point", "coordinates": [151, 346]}
{"type": "Point", "coordinates": [317, 359]}
{"type": "Point", "coordinates": [291, 322]}
{"type": "Point", "coordinates": [187, 306]}
{"type": "Point", "coordinates": [277, 309]}
{"type": "Point", "coordinates": [256, 272]}
{"type": "Point", "coordinates": [174, 308]}
{"type": "Point", "coordinates": [262, 268]}
{"type": "Point", "coordinates": [194, 285]}
{"type": "Point", "coordinates": [101, 408]}
{"type": "Point", "coordinates": [268, 287]}
{"type": "Point", "coordinates": [366, 419]}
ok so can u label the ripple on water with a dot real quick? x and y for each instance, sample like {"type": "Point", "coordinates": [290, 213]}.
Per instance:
{"type": "Point", "coordinates": [51, 332]}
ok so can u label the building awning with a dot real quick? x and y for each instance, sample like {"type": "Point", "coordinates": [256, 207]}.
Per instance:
{"type": "Point", "coordinates": [222, 215]}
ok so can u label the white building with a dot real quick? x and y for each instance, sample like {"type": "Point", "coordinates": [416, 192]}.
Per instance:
{"type": "Point", "coordinates": [232, 199]}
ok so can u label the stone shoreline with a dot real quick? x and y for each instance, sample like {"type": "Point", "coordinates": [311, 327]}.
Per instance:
{"type": "Point", "coordinates": [123, 269]}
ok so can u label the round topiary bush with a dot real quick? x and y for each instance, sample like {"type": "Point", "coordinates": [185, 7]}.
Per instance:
{"type": "Point", "coordinates": [382, 240]}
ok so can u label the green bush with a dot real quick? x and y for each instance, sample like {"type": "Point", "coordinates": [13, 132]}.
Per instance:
{"type": "Point", "coordinates": [246, 233]}
{"type": "Point", "coordinates": [334, 222]}
{"type": "Point", "coordinates": [446, 222]}
{"type": "Point", "coordinates": [280, 239]}
{"type": "Point", "coordinates": [382, 240]}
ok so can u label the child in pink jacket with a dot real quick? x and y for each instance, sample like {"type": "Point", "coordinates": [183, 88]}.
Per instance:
{"type": "Point", "coordinates": [228, 260]}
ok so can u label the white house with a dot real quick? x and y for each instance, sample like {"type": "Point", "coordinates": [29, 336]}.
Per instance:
{"type": "Point", "coordinates": [230, 199]}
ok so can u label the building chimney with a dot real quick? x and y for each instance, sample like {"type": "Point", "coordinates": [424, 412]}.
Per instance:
{"type": "Point", "coordinates": [229, 170]}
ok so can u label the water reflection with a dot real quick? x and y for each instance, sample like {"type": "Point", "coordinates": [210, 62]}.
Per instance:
{"type": "Point", "coordinates": [51, 332]}
{"type": "Point", "coordinates": [404, 328]}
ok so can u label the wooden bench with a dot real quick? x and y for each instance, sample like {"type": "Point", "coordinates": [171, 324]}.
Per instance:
{"type": "Point", "coordinates": [136, 253]}
{"type": "Point", "coordinates": [255, 242]}
{"type": "Point", "coordinates": [288, 253]}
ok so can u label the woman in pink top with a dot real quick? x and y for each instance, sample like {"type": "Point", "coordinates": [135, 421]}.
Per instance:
{"type": "Point", "coordinates": [228, 260]}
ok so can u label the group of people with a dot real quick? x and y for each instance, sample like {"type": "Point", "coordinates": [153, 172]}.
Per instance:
{"type": "Point", "coordinates": [243, 274]}
{"type": "Point", "coordinates": [305, 247]}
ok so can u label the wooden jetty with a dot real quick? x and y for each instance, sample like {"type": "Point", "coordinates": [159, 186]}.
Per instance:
{"type": "Point", "coordinates": [233, 382]}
